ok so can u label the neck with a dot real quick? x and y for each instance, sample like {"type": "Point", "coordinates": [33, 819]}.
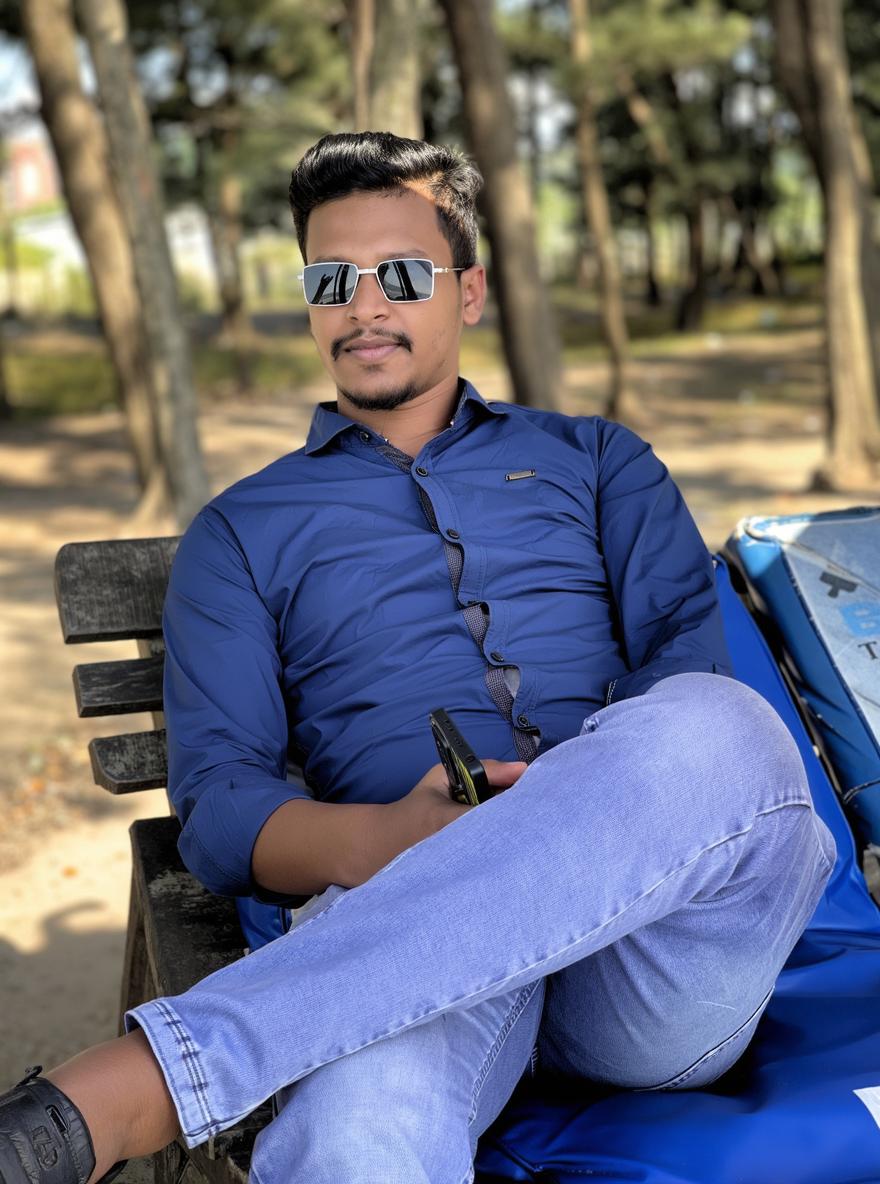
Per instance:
{"type": "Point", "coordinates": [412, 424]}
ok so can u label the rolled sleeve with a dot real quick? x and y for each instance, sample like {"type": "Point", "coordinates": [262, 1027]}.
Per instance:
{"type": "Point", "coordinates": [659, 570]}
{"type": "Point", "coordinates": [224, 707]}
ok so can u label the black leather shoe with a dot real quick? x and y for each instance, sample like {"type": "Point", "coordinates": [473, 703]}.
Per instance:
{"type": "Point", "coordinates": [43, 1137]}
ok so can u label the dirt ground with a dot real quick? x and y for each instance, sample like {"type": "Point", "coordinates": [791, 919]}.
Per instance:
{"type": "Point", "coordinates": [739, 422]}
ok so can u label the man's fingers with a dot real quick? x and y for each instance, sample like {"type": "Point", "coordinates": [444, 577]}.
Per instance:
{"type": "Point", "coordinates": [504, 773]}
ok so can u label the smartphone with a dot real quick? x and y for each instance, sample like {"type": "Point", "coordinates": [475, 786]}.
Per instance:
{"type": "Point", "coordinates": [468, 780]}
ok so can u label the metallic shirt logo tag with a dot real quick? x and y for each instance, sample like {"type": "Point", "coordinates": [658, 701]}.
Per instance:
{"type": "Point", "coordinates": [519, 474]}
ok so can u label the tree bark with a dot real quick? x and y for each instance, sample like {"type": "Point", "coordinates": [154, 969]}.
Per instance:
{"type": "Point", "coordinates": [10, 253]}
{"type": "Point", "coordinates": [80, 148]}
{"type": "Point", "coordinates": [796, 71]}
{"type": "Point", "coordinates": [693, 300]}
{"type": "Point", "coordinates": [362, 14]}
{"type": "Point", "coordinates": [528, 331]}
{"type": "Point", "coordinates": [621, 403]}
{"type": "Point", "coordinates": [223, 213]}
{"type": "Point", "coordinates": [855, 430]}
{"type": "Point", "coordinates": [395, 76]}
{"type": "Point", "coordinates": [385, 64]}
{"type": "Point", "coordinates": [5, 405]}
{"type": "Point", "coordinates": [236, 322]}
{"type": "Point", "coordinates": [131, 155]}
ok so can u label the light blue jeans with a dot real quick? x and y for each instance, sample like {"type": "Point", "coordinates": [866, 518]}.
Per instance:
{"type": "Point", "coordinates": [620, 914]}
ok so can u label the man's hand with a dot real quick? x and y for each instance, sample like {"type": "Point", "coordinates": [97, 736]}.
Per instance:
{"type": "Point", "coordinates": [428, 807]}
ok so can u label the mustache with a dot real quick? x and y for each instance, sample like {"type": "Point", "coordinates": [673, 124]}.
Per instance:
{"type": "Point", "coordinates": [342, 343]}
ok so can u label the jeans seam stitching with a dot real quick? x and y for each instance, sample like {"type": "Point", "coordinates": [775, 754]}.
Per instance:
{"type": "Point", "coordinates": [498, 1043]}
{"type": "Point", "coordinates": [191, 1059]}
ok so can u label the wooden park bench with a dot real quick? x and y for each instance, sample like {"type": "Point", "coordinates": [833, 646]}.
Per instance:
{"type": "Point", "coordinates": [178, 932]}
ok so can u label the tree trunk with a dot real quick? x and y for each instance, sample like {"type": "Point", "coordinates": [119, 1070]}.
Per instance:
{"type": "Point", "coordinates": [386, 67]}
{"type": "Point", "coordinates": [528, 331]}
{"type": "Point", "coordinates": [10, 254]}
{"type": "Point", "coordinates": [797, 74]}
{"type": "Point", "coordinates": [131, 155]}
{"type": "Point", "coordinates": [693, 300]}
{"type": "Point", "coordinates": [223, 211]}
{"type": "Point", "coordinates": [5, 405]}
{"type": "Point", "coordinates": [362, 14]}
{"type": "Point", "coordinates": [622, 403]}
{"type": "Point", "coordinates": [395, 75]}
{"type": "Point", "coordinates": [855, 430]}
{"type": "Point", "coordinates": [653, 295]}
{"type": "Point", "coordinates": [81, 151]}
{"type": "Point", "coordinates": [222, 203]}
{"type": "Point", "coordinates": [236, 322]}
{"type": "Point", "coordinates": [764, 279]}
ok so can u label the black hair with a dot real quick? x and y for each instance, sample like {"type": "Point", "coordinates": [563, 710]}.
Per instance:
{"type": "Point", "coordinates": [374, 162]}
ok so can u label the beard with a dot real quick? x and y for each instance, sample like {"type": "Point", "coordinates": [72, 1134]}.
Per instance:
{"type": "Point", "coordinates": [382, 400]}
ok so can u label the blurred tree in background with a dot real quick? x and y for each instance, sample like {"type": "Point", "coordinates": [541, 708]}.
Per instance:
{"type": "Point", "coordinates": [236, 93]}
{"type": "Point", "coordinates": [645, 161]}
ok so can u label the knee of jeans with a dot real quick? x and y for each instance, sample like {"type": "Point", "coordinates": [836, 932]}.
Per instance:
{"type": "Point", "coordinates": [732, 729]}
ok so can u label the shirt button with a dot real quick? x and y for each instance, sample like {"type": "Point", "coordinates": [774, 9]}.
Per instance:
{"type": "Point", "coordinates": [523, 721]}
{"type": "Point", "coordinates": [453, 534]}
{"type": "Point", "coordinates": [422, 472]}
{"type": "Point", "coordinates": [496, 657]}
{"type": "Point", "coordinates": [365, 435]}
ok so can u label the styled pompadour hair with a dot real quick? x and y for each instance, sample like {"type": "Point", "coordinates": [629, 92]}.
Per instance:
{"type": "Point", "coordinates": [373, 162]}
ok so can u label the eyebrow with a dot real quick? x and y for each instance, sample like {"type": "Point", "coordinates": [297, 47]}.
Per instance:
{"type": "Point", "coordinates": [415, 253]}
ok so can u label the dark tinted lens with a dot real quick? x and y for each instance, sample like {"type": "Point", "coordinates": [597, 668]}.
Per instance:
{"type": "Point", "coordinates": [407, 279]}
{"type": "Point", "coordinates": [329, 283]}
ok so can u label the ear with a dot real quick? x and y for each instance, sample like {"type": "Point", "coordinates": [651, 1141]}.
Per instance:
{"type": "Point", "coordinates": [473, 293]}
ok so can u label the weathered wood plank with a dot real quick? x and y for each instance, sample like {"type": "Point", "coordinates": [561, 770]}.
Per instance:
{"type": "Point", "coordinates": [118, 688]}
{"type": "Point", "coordinates": [125, 764]}
{"type": "Point", "coordinates": [188, 934]}
{"type": "Point", "coordinates": [112, 589]}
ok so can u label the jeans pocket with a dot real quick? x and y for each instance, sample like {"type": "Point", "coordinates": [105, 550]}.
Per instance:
{"type": "Point", "coordinates": [712, 1064]}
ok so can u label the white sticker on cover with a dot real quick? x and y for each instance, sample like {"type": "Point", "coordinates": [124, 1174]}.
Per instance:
{"type": "Point", "coordinates": [871, 1098]}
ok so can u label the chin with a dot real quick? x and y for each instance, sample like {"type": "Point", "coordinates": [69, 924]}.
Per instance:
{"type": "Point", "coordinates": [383, 399]}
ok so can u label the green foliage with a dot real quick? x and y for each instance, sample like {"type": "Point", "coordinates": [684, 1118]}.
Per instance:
{"type": "Point", "coordinates": [239, 90]}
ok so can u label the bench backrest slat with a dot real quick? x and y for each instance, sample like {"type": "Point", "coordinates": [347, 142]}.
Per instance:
{"type": "Point", "coordinates": [125, 764]}
{"type": "Point", "coordinates": [118, 688]}
{"type": "Point", "coordinates": [113, 590]}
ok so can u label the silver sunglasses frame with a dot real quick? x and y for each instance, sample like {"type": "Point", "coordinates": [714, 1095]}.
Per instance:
{"type": "Point", "coordinates": [359, 271]}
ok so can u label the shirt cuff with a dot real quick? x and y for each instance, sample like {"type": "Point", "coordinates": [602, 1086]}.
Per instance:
{"type": "Point", "coordinates": [217, 840]}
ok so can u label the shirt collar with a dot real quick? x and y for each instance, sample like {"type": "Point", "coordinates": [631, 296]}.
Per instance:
{"type": "Point", "coordinates": [327, 422]}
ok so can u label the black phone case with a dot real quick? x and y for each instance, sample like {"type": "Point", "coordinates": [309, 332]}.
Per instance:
{"type": "Point", "coordinates": [468, 782]}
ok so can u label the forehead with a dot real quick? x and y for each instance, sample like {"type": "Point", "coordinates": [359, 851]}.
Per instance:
{"type": "Point", "coordinates": [364, 228]}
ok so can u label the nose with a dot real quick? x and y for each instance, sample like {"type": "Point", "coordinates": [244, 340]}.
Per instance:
{"type": "Point", "coordinates": [368, 302]}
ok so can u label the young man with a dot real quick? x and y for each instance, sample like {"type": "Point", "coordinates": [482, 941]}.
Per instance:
{"type": "Point", "coordinates": [618, 911]}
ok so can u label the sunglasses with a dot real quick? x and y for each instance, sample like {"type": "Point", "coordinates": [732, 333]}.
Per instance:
{"type": "Point", "coordinates": [402, 280]}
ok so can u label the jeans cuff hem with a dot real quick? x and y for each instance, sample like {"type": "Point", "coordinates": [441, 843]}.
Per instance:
{"type": "Point", "coordinates": [179, 1061]}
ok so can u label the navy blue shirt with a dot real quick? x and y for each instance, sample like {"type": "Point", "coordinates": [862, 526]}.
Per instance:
{"type": "Point", "coordinates": [523, 570]}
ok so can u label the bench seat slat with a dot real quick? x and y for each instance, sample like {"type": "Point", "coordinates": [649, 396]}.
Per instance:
{"type": "Point", "coordinates": [112, 590]}
{"type": "Point", "coordinates": [118, 688]}
{"type": "Point", "coordinates": [125, 764]}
